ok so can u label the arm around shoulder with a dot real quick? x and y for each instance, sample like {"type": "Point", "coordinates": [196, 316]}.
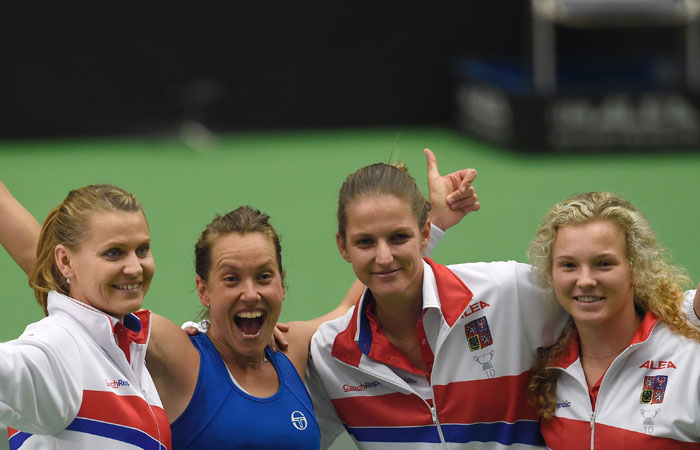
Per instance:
{"type": "Point", "coordinates": [173, 362]}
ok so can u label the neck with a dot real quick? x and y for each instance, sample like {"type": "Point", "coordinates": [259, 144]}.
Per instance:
{"type": "Point", "coordinates": [606, 341]}
{"type": "Point", "coordinates": [243, 361]}
{"type": "Point", "coordinates": [399, 316]}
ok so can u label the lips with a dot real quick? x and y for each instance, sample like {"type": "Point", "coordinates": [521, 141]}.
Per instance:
{"type": "Point", "coordinates": [250, 322]}
{"type": "Point", "coordinates": [385, 273]}
{"type": "Point", "coordinates": [127, 286]}
{"type": "Point", "coordinates": [588, 299]}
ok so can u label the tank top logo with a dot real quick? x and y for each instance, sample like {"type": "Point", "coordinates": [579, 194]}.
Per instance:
{"type": "Point", "coordinates": [299, 420]}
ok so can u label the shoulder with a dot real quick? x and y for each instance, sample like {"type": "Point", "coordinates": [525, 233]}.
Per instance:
{"type": "Point", "coordinates": [500, 269]}
{"type": "Point", "coordinates": [327, 332]}
{"type": "Point", "coordinates": [52, 333]}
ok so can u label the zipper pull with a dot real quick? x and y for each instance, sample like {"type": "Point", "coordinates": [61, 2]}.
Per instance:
{"type": "Point", "coordinates": [433, 414]}
{"type": "Point", "coordinates": [592, 419]}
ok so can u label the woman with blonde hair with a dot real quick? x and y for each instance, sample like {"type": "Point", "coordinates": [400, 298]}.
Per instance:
{"type": "Point", "coordinates": [77, 379]}
{"type": "Point", "coordinates": [625, 373]}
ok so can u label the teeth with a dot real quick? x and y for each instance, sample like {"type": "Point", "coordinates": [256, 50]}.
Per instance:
{"type": "Point", "coordinates": [249, 314]}
{"type": "Point", "coordinates": [127, 287]}
{"type": "Point", "coordinates": [588, 299]}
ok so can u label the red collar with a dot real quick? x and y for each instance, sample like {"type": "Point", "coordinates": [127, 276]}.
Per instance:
{"type": "Point", "coordinates": [134, 329]}
{"type": "Point", "coordinates": [571, 353]}
{"type": "Point", "coordinates": [361, 336]}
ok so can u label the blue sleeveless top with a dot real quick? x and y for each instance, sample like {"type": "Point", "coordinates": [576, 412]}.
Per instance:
{"type": "Point", "coordinates": [222, 416]}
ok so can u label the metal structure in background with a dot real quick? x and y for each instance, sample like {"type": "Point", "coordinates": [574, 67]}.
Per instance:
{"type": "Point", "coordinates": [604, 93]}
{"type": "Point", "coordinates": [610, 13]}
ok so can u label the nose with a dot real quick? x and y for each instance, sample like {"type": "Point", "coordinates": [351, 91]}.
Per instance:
{"type": "Point", "coordinates": [586, 278]}
{"type": "Point", "coordinates": [383, 255]}
{"type": "Point", "coordinates": [132, 265]}
{"type": "Point", "coordinates": [250, 291]}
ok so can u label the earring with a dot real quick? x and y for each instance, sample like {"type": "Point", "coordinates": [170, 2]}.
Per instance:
{"type": "Point", "coordinates": [67, 280]}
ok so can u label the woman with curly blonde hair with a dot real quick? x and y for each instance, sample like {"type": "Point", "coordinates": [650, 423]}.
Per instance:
{"type": "Point", "coordinates": [626, 369]}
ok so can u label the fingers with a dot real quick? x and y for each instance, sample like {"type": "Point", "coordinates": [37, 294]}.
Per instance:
{"type": "Point", "coordinates": [277, 340]}
{"type": "Point", "coordinates": [432, 163]}
{"type": "Point", "coordinates": [465, 191]}
{"type": "Point", "coordinates": [191, 331]}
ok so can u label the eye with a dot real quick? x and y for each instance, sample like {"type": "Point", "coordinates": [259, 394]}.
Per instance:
{"type": "Point", "coordinates": [400, 238]}
{"type": "Point", "coordinates": [112, 253]}
{"type": "Point", "coordinates": [230, 278]}
{"type": "Point", "coordinates": [605, 264]}
{"type": "Point", "coordinates": [364, 242]}
{"type": "Point", "coordinates": [567, 265]}
{"type": "Point", "coordinates": [142, 251]}
{"type": "Point", "coordinates": [266, 276]}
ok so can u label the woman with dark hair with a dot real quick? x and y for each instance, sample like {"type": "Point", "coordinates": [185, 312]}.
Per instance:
{"type": "Point", "coordinates": [225, 389]}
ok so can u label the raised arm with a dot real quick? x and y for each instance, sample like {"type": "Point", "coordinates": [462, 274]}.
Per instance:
{"type": "Point", "coordinates": [19, 230]}
{"type": "Point", "coordinates": [452, 196]}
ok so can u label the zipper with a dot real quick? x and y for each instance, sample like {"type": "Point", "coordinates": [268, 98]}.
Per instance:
{"type": "Point", "coordinates": [433, 413]}
{"type": "Point", "coordinates": [592, 430]}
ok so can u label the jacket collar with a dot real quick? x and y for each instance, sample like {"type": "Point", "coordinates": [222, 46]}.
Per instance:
{"type": "Point", "coordinates": [98, 324]}
{"type": "Point", "coordinates": [571, 353]}
{"type": "Point", "coordinates": [441, 288]}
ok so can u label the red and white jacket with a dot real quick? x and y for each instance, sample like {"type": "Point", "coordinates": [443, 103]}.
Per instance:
{"type": "Point", "coordinates": [483, 322]}
{"type": "Point", "coordinates": [65, 383]}
{"type": "Point", "coordinates": [649, 398]}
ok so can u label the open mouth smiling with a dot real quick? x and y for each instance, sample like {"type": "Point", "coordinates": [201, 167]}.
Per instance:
{"type": "Point", "coordinates": [250, 322]}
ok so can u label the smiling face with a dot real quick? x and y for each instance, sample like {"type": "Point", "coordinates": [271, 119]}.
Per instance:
{"type": "Point", "coordinates": [244, 292]}
{"type": "Point", "coordinates": [591, 274]}
{"type": "Point", "coordinates": [112, 267]}
{"type": "Point", "coordinates": [384, 244]}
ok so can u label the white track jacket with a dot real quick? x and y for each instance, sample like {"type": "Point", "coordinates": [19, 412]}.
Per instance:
{"type": "Point", "coordinates": [649, 397]}
{"type": "Point", "coordinates": [66, 385]}
{"type": "Point", "coordinates": [491, 318]}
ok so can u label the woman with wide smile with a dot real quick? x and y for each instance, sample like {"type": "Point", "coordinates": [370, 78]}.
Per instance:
{"type": "Point", "coordinates": [224, 388]}
{"type": "Point", "coordinates": [625, 371]}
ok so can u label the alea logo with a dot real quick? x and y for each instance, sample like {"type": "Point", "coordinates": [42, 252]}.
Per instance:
{"type": "Point", "coordinates": [299, 420]}
{"type": "Point", "coordinates": [116, 384]}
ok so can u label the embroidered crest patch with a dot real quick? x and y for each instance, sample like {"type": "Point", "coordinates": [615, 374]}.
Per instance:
{"type": "Point", "coordinates": [478, 334]}
{"type": "Point", "coordinates": [653, 389]}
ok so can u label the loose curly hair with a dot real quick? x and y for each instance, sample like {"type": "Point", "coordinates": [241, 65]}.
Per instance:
{"type": "Point", "coordinates": [657, 283]}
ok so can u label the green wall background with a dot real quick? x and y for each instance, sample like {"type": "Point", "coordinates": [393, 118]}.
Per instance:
{"type": "Point", "coordinates": [294, 176]}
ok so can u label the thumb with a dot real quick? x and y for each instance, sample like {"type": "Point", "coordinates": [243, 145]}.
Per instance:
{"type": "Point", "coordinates": [432, 164]}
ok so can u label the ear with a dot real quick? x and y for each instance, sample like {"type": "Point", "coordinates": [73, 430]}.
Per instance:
{"type": "Point", "coordinates": [63, 260]}
{"type": "Point", "coordinates": [425, 236]}
{"type": "Point", "coordinates": [201, 287]}
{"type": "Point", "coordinates": [342, 247]}
{"type": "Point", "coordinates": [284, 286]}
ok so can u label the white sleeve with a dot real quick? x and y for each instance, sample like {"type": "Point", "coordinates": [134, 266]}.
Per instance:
{"type": "Point", "coordinates": [689, 310]}
{"type": "Point", "coordinates": [328, 421]}
{"type": "Point", "coordinates": [40, 381]}
{"type": "Point", "coordinates": [436, 235]}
